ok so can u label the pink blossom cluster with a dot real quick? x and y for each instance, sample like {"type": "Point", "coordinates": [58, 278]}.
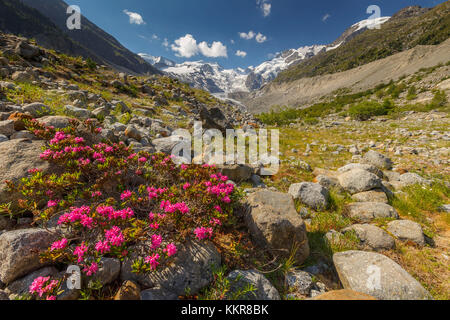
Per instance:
{"type": "Point", "coordinates": [59, 136]}
{"type": "Point", "coordinates": [80, 251]}
{"type": "Point", "coordinates": [78, 215]}
{"type": "Point", "coordinates": [155, 192]}
{"type": "Point", "coordinates": [156, 241]}
{"type": "Point", "coordinates": [58, 245]}
{"type": "Point", "coordinates": [203, 233]}
{"type": "Point", "coordinates": [115, 236]}
{"type": "Point", "coordinates": [152, 261]}
{"type": "Point", "coordinates": [43, 285]}
{"type": "Point", "coordinates": [91, 270]}
{"type": "Point", "coordinates": [126, 195]}
{"type": "Point", "coordinates": [172, 208]}
{"type": "Point", "coordinates": [103, 247]}
{"type": "Point", "coordinates": [112, 214]}
{"type": "Point", "coordinates": [170, 249]}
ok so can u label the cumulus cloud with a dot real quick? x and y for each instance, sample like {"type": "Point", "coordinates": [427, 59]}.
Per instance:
{"type": "Point", "coordinates": [187, 47]}
{"type": "Point", "coordinates": [247, 36]}
{"type": "Point", "coordinates": [326, 17]}
{"type": "Point", "coordinates": [135, 18]}
{"type": "Point", "coordinates": [240, 53]}
{"type": "Point", "coordinates": [265, 6]}
{"type": "Point", "coordinates": [165, 43]}
{"type": "Point", "coordinates": [260, 38]}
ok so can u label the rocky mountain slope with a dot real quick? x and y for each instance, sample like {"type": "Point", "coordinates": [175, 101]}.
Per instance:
{"type": "Point", "coordinates": [45, 21]}
{"type": "Point", "coordinates": [306, 91]}
{"type": "Point", "coordinates": [216, 79]}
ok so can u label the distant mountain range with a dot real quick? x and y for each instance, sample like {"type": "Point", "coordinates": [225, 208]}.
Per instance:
{"type": "Point", "coordinates": [216, 79]}
{"type": "Point", "coordinates": [45, 21]}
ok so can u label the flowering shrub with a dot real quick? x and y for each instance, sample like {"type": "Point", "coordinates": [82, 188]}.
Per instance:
{"type": "Point", "coordinates": [107, 201]}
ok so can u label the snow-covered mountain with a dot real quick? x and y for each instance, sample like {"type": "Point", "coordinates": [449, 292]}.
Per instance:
{"type": "Point", "coordinates": [216, 79]}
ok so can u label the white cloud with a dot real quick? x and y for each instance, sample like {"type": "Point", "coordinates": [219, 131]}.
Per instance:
{"type": "Point", "coordinates": [247, 36]}
{"type": "Point", "coordinates": [240, 53]}
{"type": "Point", "coordinates": [187, 47]}
{"type": "Point", "coordinates": [217, 49]}
{"type": "Point", "coordinates": [260, 38]}
{"type": "Point", "coordinates": [232, 41]}
{"type": "Point", "coordinates": [135, 18]}
{"type": "Point", "coordinates": [326, 17]}
{"type": "Point", "coordinates": [155, 37]}
{"type": "Point", "coordinates": [165, 43]}
{"type": "Point", "coordinates": [265, 6]}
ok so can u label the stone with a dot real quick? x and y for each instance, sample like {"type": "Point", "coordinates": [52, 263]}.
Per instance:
{"type": "Point", "coordinates": [358, 180]}
{"type": "Point", "coordinates": [360, 271]}
{"type": "Point", "coordinates": [274, 223]}
{"type": "Point", "coordinates": [37, 109]}
{"type": "Point", "coordinates": [378, 160]}
{"type": "Point", "coordinates": [313, 195]}
{"type": "Point", "coordinates": [263, 289]}
{"type": "Point", "coordinates": [158, 294]}
{"type": "Point", "coordinates": [6, 223]}
{"type": "Point", "coordinates": [166, 145]}
{"type": "Point", "coordinates": [129, 290]}
{"type": "Point", "coordinates": [377, 195]}
{"type": "Point", "coordinates": [409, 179]}
{"type": "Point", "coordinates": [3, 296]}
{"type": "Point", "coordinates": [133, 133]}
{"type": "Point", "coordinates": [59, 122]}
{"type": "Point", "coordinates": [362, 166]}
{"type": "Point", "coordinates": [236, 172]}
{"type": "Point", "coordinates": [19, 252]}
{"type": "Point", "coordinates": [368, 211]}
{"type": "Point", "coordinates": [407, 230]}
{"type": "Point", "coordinates": [7, 127]}
{"type": "Point", "coordinates": [299, 282]}
{"type": "Point", "coordinates": [371, 237]}
{"type": "Point", "coordinates": [27, 50]}
{"type": "Point", "coordinates": [21, 286]}
{"type": "Point", "coordinates": [22, 76]}
{"type": "Point", "coordinates": [328, 182]}
{"type": "Point", "coordinates": [24, 134]}
{"type": "Point", "coordinates": [109, 270]}
{"type": "Point", "coordinates": [3, 138]}
{"type": "Point", "coordinates": [191, 268]}
{"type": "Point", "coordinates": [78, 112]}
{"type": "Point", "coordinates": [16, 158]}
{"type": "Point", "coordinates": [342, 295]}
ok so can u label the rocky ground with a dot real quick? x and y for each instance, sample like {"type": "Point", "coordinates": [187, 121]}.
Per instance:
{"type": "Point", "coordinates": [354, 202]}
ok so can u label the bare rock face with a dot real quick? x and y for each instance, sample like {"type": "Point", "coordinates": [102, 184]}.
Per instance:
{"type": "Point", "coordinates": [372, 237]}
{"type": "Point", "coordinates": [19, 252]}
{"type": "Point", "coordinates": [275, 224]}
{"type": "Point", "coordinates": [358, 180]}
{"type": "Point", "coordinates": [368, 211]}
{"type": "Point", "coordinates": [16, 158]}
{"type": "Point", "coordinates": [378, 276]}
{"type": "Point", "coordinates": [191, 269]}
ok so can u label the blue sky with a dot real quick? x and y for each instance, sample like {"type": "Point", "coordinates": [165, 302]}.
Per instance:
{"type": "Point", "coordinates": [210, 29]}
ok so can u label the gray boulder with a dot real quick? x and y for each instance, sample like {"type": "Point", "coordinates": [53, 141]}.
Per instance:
{"type": "Point", "coordinates": [59, 122]}
{"type": "Point", "coordinates": [300, 282]}
{"type": "Point", "coordinates": [358, 180]}
{"type": "Point", "coordinates": [368, 211]}
{"type": "Point", "coordinates": [371, 237]}
{"type": "Point", "coordinates": [275, 224]}
{"type": "Point", "coordinates": [263, 289]}
{"type": "Point", "coordinates": [371, 196]}
{"type": "Point", "coordinates": [236, 172]}
{"type": "Point", "coordinates": [191, 269]}
{"type": "Point", "coordinates": [158, 294]}
{"type": "Point", "coordinates": [109, 270]}
{"type": "Point", "coordinates": [19, 252]}
{"type": "Point", "coordinates": [78, 112]}
{"type": "Point", "coordinates": [377, 275]}
{"type": "Point", "coordinates": [37, 109]}
{"type": "Point", "coordinates": [362, 166]}
{"type": "Point", "coordinates": [378, 160]}
{"type": "Point", "coordinates": [313, 195]}
{"type": "Point", "coordinates": [7, 127]}
{"type": "Point", "coordinates": [407, 230]}
{"type": "Point", "coordinates": [410, 178]}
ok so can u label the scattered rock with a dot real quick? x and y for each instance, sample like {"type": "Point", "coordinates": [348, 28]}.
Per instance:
{"type": "Point", "coordinates": [59, 122]}
{"type": "Point", "coordinates": [109, 270]}
{"type": "Point", "coordinates": [342, 295]}
{"type": "Point", "coordinates": [275, 224]}
{"type": "Point", "coordinates": [407, 230]}
{"type": "Point", "coordinates": [357, 180]}
{"type": "Point", "coordinates": [371, 196]}
{"type": "Point", "coordinates": [19, 252]}
{"type": "Point", "coordinates": [236, 172]}
{"type": "Point", "coordinates": [158, 294]}
{"type": "Point", "coordinates": [362, 166]}
{"type": "Point", "coordinates": [377, 275]}
{"type": "Point", "coordinates": [410, 178]}
{"type": "Point", "coordinates": [78, 112]}
{"type": "Point", "coordinates": [37, 109]}
{"type": "Point", "coordinates": [372, 237]}
{"type": "Point", "coordinates": [129, 290]}
{"type": "Point", "coordinates": [299, 282]}
{"type": "Point", "coordinates": [368, 211]}
{"type": "Point", "coordinates": [7, 127]}
{"type": "Point", "coordinates": [378, 160]}
{"type": "Point", "coordinates": [313, 195]}
{"type": "Point", "coordinates": [263, 289]}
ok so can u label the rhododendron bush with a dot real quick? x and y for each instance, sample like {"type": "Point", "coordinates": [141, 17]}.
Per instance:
{"type": "Point", "coordinates": [104, 200]}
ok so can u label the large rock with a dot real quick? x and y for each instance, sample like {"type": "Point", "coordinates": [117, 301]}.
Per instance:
{"type": "Point", "coordinates": [129, 290]}
{"type": "Point", "coordinates": [263, 289]}
{"type": "Point", "coordinates": [7, 127]}
{"type": "Point", "coordinates": [167, 145]}
{"type": "Point", "coordinates": [19, 252]}
{"type": "Point", "coordinates": [191, 269]}
{"type": "Point", "coordinates": [236, 173]}
{"type": "Point", "coordinates": [377, 275]}
{"type": "Point", "coordinates": [362, 166]}
{"type": "Point", "coordinates": [16, 158]}
{"type": "Point", "coordinates": [299, 282]}
{"type": "Point", "coordinates": [407, 230]}
{"type": "Point", "coordinates": [37, 109]}
{"type": "Point", "coordinates": [371, 196]}
{"type": "Point", "coordinates": [58, 122]}
{"type": "Point", "coordinates": [26, 50]}
{"type": "Point", "coordinates": [368, 211]}
{"type": "Point", "coordinates": [372, 237]}
{"type": "Point", "coordinates": [378, 160]}
{"type": "Point", "coordinates": [275, 224]}
{"type": "Point", "coordinates": [342, 295]}
{"type": "Point", "coordinates": [409, 179]}
{"type": "Point", "coordinates": [78, 112]}
{"type": "Point", "coordinates": [214, 118]}
{"type": "Point", "coordinates": [109, 270]}
{"type": "Point", "coordinates": [313, 195]}
{"type": "Point", "coordinates": [358, 180]}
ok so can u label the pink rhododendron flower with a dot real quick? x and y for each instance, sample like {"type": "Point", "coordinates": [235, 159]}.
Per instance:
{"type": "Point", "coordinates": [90, 270]}
{"type": "Point", "coordinates": [52, 203]}
{"type": "Point", "coordinates": [170, 250]}
{"type": "Point", "coordinates": [115, 236]}
{"type": "Point", "coordinates": [152, 261]}
{"type": "Point", "coordinates": [102, 247]}
{"type": "Point", "coordinates": [186, 185]}
{"type": "Point", "coordinates": [203, 233]}
{"type": "Point", "coordinates": [215, 222]}
{"type": "Point", "coordinates": [142, 159]}
{"type": "Point", "coordinates": [156, 241]}
{"type": "Point", "coordinates": [58, 245]}
{"type": "Point", "coordinates": [126, 195]}
{"type": "Point", "coordinates": [80, 251]}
